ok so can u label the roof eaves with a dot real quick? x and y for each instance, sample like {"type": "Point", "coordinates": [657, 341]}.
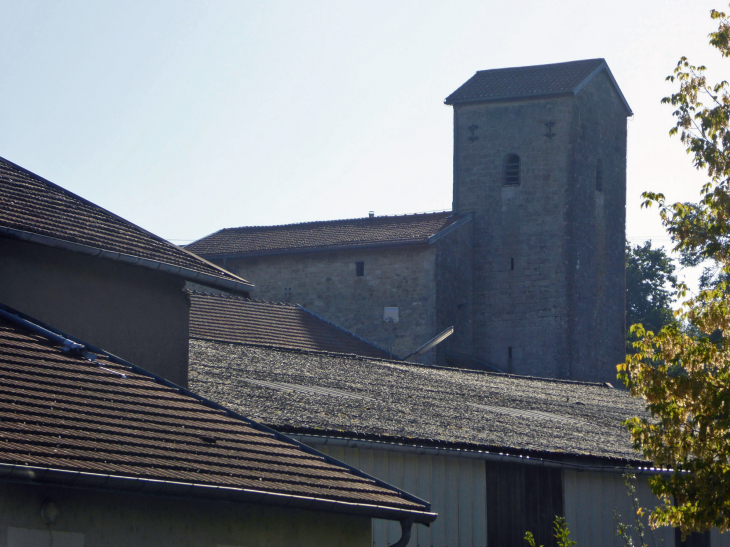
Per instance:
{"type": "Point", "coordinates": [23, 319]}
{"type": "Point", "coordinates": [473, 453]}
{"type": "Point", "coordinates": [324, 249]}
{"type": "Point", "coordinates": [453, 226]}
{"type": "Point", "coordinates": [241, 286]}
{"type": "Point", "coordinates": [507, 98]}
{"type": "Point", "coordinates": [79, 479]}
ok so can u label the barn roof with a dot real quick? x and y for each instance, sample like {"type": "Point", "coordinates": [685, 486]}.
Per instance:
{"type": "Point", "coordinates": [414, 404]}
{"type": "Point", "coordinates": [233, 319]}
{"type": "Point", "coordinates": [34, 209]}
{"type": "Point", "coordinates": [327, 235]}
{"type": "Point", "coordinates": [531, 81]}
{"type": "Point", "coordinates": [72, 415]}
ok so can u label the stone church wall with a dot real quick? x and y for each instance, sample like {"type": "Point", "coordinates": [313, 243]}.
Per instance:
{"type": "Point", "coordinates": [454, 285]}
{"type": "Point", "coordinates": [327, 284]}
{"type": "Point", "coordinates": [520, 255]}
{"type": "Point", "coordinates": [597, 218]}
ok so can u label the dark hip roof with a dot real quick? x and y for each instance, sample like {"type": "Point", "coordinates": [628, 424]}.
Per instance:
{"type": "Point", "coordinates": [233, 319]}
{"type": "Point", "coordinates": [531, 81]}
{"type": "Point", "coordinates": [65, 409]}
{"type": "Point", "coordinates": [34, 209]}
{"type": "Point", "coordinates": [412, 404]}
{"type": "Point", "coordinates": [325, 235]}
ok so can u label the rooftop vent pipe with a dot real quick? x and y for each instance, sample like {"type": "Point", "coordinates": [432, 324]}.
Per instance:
{"type": "Point", "coordinates": [433, 342]}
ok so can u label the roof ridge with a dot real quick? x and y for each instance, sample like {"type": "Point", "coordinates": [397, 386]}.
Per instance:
{"type": "Point", "coordinates": [412, 364]}
{"type": "Point", "coordinates": [296, 350]}
{"type": "Point", "coordinates": [541, 65]}
{"type": "Point", "coordinates": [334, 221]}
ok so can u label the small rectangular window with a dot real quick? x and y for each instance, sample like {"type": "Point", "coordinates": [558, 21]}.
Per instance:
{"type": "Point", "coordinates": [359, 269]}
{"type": "Point", "coordinates": [509, 352]}
{"type": "Point", "coordinates": [511, 263]}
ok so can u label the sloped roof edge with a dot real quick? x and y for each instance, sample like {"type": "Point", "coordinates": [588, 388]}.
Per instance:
{"type": "Point", "coordinates": [189, 275]}
{"type": "Point", "coordinates": [236, 284]}
{"type": "Point", "coordinates": [472, 453]}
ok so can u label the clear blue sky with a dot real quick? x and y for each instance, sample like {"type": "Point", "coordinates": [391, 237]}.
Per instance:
{"type": "Point", "coordinates": [187, 117]}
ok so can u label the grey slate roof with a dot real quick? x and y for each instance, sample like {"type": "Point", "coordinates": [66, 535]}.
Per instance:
{"type": "Point", "coordinates": [324, 235]}
{"type": "Point", "coordinates": [531, 81]}
{"type": "Point", "coordinates": [233, 319]}
{"type": "Point", "coordinates": [34, 209]}
{"type": "Point", "coordinates": [392, 401]}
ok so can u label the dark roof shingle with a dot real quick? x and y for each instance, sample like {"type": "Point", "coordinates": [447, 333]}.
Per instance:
{"type": "Point", "coordinates": [529, 81]}
{"type": "Point", "coordinates": [325, 235]}
{"type": "Point", "coordinates": [241, 320]}
{"type": "Point", "coordinates": [61, 411]}
{"type": "Point", "coordinates": [413, 404]}
{"type": "Point", "coordinates": [32, 207]}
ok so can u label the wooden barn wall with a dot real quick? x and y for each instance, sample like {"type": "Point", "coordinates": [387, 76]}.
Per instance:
{"type": "Point", "coordinates": [456, 488]}
{"type": "Point", "coordinates": [590, 501]}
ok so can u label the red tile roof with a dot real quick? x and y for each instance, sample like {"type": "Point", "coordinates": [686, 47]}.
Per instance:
{"type": "Point", "coordinates": [272, 324]}
{"type": "Point", "coordinates": [529, 81]}
{"type": "Point", "coordinates": [325, 235]}
{"type": "Point", "coordinates": [61, 411]}
{"type": "Point", "coordinates": [35, 209]}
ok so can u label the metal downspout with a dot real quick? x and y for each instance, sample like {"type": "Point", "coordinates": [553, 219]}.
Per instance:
{"type": "Point", "coordinates": [405, 536]}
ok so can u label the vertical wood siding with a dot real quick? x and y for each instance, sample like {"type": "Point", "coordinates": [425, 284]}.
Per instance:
{"type": "Point", "coordinates": [591, 498]}
{"type": "Point", "coordinates": [456, 487]}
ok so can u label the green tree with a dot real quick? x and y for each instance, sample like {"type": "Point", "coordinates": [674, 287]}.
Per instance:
{"type": "Point", "coordinates": [650, 287]}
{"type": "Point", "coordinates": [685, 379]}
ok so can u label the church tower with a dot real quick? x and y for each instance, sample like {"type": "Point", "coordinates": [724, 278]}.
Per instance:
{"type": "Point", "coordinates": [540, 163]}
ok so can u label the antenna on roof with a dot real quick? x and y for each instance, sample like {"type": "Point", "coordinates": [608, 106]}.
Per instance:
{"type": "Point", "coordinates": [433, 342]}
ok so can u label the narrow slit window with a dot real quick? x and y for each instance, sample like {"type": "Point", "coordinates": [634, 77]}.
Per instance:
{"type": "Point", "coordinates": [359, 269]}
{"type": "Point", "coordinates": [509, 352]}
{"type": "Point", "coordinates": [511, 263]}
{"type": "Point", "coordinates": [511, 170]}
{"type": "Point", "coordinates": [599, 176]}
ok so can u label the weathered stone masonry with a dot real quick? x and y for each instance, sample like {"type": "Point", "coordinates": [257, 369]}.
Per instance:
{"type": "Point", "coordinates": [530, 270]}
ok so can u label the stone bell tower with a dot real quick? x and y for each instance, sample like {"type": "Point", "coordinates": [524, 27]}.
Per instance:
{"type": "Point", "coordinates": [540, 162]}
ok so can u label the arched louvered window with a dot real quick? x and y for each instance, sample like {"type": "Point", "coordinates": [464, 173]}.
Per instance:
{"type": "Point", "coordinates": [599, 175]}
{"type": "Point", "coordinates": [511, 170]}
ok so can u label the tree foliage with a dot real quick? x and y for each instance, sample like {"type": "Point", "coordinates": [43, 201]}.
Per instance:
{"type": "Point", "coordinates": [650, 286]}
{"type": "Point", "coordinates": [685, 379]}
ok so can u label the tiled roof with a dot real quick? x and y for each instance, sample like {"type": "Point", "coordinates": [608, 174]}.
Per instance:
{"type": "Point", "coordinates": [396, 402]}
{"type": "Point", "coordinates": [61, 411]}
{"type": "Point", "coordinates": [233, 319]}
{"type": "Point", "coordinates": [35, 209]}
{"type": "Point", "coordinates": [529, 81]}
{"type": "Point", "coordinates": [326, 235]}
